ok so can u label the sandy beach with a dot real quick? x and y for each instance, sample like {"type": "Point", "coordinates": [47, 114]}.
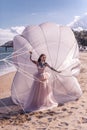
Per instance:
{"type": "Point", "coordinates": [70, 116]}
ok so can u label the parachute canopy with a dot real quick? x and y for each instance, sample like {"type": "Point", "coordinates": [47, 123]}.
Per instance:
{"type": "Point", "coordinates": [60, 47]}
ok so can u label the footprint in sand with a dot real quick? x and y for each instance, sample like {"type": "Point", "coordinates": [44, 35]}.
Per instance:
{"type": "Point", "coordinates": [49, 119]}
{"type": "Point", "coordinates": [64, 109]}
{"type": "Point", "coordinates": [74, 107]}
{"type": "Point", "coordinates": [84, 120]}
{"type": "Point", "coordinates": [65, 123]}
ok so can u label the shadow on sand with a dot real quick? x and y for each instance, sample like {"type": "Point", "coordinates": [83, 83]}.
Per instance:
{"type": "Point", "coordinates": [6, 102]}
{"type": "Point", "coordinates": [8, 108]}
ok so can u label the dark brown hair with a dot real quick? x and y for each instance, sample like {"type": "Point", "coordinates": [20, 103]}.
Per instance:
{"type": "Point", "coordinates": [39, 59]}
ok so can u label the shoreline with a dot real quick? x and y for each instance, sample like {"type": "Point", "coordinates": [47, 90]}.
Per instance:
{"type": "Point", "coordinates": [8, 70]}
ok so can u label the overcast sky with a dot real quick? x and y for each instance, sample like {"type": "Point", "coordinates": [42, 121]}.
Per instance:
{"type": "Point", "coordinates": [27, 12]}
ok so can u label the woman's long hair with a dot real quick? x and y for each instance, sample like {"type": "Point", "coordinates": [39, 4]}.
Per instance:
{"type": "Point", "coordinates": [39, 59]}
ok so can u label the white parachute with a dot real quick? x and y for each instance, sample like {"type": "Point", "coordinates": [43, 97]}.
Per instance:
{"type": "Point", "coordinates": [60, 47]}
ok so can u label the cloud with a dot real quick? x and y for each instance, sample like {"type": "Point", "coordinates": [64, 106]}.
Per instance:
{"type": "Point", "coordinates": [76, 18]}
{"type": "Point", "coordinates": [8, 34]}
{"type": "Point", "coordinates": [79, 22]}
{"type": "Point", "coordinates": [17, 29]}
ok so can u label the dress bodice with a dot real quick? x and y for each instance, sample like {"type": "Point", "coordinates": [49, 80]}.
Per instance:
{"type": "Point", "coordinates": [41, 69]}
{"type": "Point", "coordinates": [43, 73]}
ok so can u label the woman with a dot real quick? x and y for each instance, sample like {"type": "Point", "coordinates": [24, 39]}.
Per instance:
{"type": "Point", "coordinates": [41, 96]}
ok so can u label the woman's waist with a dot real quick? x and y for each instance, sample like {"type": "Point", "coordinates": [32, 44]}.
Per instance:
{"type": "Point", "coordinates": [44, 73]}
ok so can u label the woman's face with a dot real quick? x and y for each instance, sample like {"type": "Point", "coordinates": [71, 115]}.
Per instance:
{"type": "Point", "coordinates": [43, 58]}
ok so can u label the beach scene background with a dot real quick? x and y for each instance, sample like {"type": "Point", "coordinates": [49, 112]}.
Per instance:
{"type": "Point", "coordinates": [14, 17]}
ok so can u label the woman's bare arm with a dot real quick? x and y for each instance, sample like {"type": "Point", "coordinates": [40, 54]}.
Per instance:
{"type": "Point", "coordinates": [52, 68]}
{"type": "Point", "coordinates": [35, 62]}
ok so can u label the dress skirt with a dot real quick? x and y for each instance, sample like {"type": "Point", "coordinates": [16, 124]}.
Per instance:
{"type": "Point", "coordinates": [41, 95]}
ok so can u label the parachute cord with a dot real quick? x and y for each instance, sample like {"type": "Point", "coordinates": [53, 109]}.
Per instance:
{"type": "Point", "coordinates": [15, 55]}
{"type": "Point", "coordinates": [64, 87]}
{"type": "Point", "coordinates": [23, 64]}
{"type": "Point", "coordinates": [12, 56]}
{"type": "Point", "coordinates": [9, 109]}
{"type": "Point", "coordinates": [31, 75]}
{"type": "Point", "coordinates": [28, 74]}
{"type": "Point", "coordinates": [17, 95]}
{"type": "Point", "coordinates": [19, 102]}
{"type": "Point", "coordinates": [47, 47]}
{"type": "Point", "coordinates": [18, 50]}
{"type": "Point", "coordinates": [20, 70]}
{"type": "Point", "coordinates": [35, 67]}
{"type": "Point", "coordinates": [46, 43]}
{"type": "Point", "coordinates": [31, 45]}
{"type": "Point", "coordinates": [23, 46]}
{"type": "Point", "coordinates": [59, 41]}
{"type": "Point", "coordinates": [53, 80]}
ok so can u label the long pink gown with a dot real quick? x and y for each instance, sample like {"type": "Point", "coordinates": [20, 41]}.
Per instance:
{"type": "Point", "coordinates": [41, 95]}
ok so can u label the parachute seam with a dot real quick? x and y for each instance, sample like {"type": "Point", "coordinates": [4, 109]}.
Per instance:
{"type": "Point", "coordinates": [58, 46]}
{"type": "Point", "coordinates": [47, 47]}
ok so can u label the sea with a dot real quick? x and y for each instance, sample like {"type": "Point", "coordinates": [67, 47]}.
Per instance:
{"type": "Point", "coordinates": [5, 65]}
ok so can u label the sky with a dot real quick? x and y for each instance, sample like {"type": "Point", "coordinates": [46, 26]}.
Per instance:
{"type": "Point", "coordinates": [15, 15]}
{"type": "Point", "coordinates": [26, 12]}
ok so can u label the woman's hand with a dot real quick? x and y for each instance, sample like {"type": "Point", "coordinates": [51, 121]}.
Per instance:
{"type": "Point", "coordinates": [59, 71]}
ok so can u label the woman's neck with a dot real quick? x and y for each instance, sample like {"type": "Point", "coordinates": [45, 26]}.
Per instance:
{"type": "Point", "coordinates": [42, 63]}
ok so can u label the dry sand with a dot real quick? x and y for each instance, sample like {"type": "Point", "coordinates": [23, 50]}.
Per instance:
{"type": "Point", "coordinates": [71, 116]}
